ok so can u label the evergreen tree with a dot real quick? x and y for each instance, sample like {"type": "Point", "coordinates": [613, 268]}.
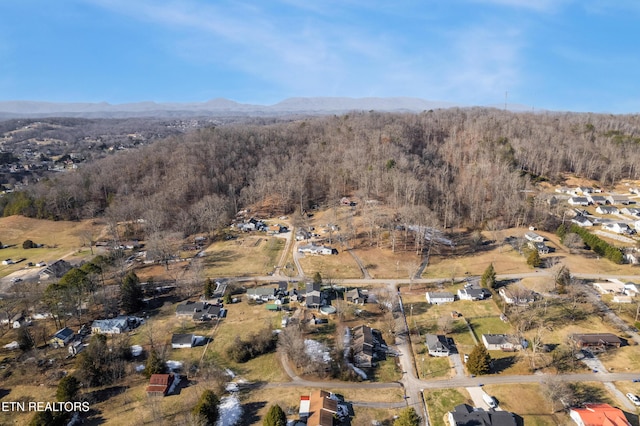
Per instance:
{"type": "Point", "coordinates": [209, 288]}
{"type": "Point", "coordinates": [227, 298]}
{"type": "Point", "coordinates": [154, 365]}
{"type": "Point", "coordinates": [275, 417]}
{"type": "Point", "coordinates": [25, 340]}
{"type": "Point", "coordinates": [479, 361]}
{"type": "Point", "coordinates": [207, 407]}
{"type": "Point", "coordinates": [131, 293]}
{"type": "Point", "coordinates": [408, 417]}
{"type": "Point", "coordinates": [68, 388]}
{"type": "Point", "coordinates": [488, 279]}
{"type": "Point", "coordinates": [533, 259]}
{"type": "Point", "coordinates": [317, 278]}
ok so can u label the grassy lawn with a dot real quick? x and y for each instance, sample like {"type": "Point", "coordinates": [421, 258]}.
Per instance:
{"type": "Point", "coordinates": [383, 263]}
{"type": "Point", "coordinates": [529, 402]}
{"type": "Point", "coordinates": [248, 255]}
{"type": "Point", "coordinates": [59, 239]}
{"type": "Point", "coordinates": [441, 401]}
{"type": "Point", "coordinates": [432, 367]}
{"type": "Point", "coordinates": [337, 266]}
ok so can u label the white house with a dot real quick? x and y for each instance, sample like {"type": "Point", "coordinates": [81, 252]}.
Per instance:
{"type": "Point", "coordinates": [578, 201]}
{"type": "Point", "coordinates": [631, 211]}
{"type": "Point", "coordinates": [533, 237]}
{"type": "Point", "coordinates": [499, 342]}
{"type": "Point", "coordinates": [618, 199]}
{"type": "Point", "coordinates": [609, 287]}
{"type": "Point", "coordinates": [436, 298]}
{"type": "Point", "coordinates": [596, 199]}
{"type": "Point", "coordinates": [180, 341]}
{"type": "Point", "coordinates": [517, 296]}
{"type": "Point", "coordinates": [314, 249]}
{"type": "Point", "coordinates": [617, 227]}
{"type": "Point", "coordinates": [473, 293]}
{"type": "Point", "coordinates": [631, 289]}
{"type": "Point", "coordinates": [607, 210]}
{"type": "Point", "coordinates": [437, 345]}
{"type": "Point", "coordinates": [582, 221]}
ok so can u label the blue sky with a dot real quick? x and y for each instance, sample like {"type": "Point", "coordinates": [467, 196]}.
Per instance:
{"type": "Point", "coordinates": [575, 55]}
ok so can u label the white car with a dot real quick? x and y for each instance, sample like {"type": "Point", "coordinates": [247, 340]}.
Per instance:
{"type": "Point", "coordinates": [633, 398]}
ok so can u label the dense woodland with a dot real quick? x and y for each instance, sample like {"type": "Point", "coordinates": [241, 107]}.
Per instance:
{"type": "Point", "coordinates": [448, 168]}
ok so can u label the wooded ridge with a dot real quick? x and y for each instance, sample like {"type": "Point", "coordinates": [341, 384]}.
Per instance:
{"type": "Point", "coordinates": [453, 167]}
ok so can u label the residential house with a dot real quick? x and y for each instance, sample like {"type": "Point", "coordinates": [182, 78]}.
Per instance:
{"type": "Point", "coordinates": [541, 248]}
{"type": "Point", "coordinates": [596, 341]}
{"type": "Point", "coordinates": [5, 318]}
{"type": "Point", "coordinates": [585, 190]}
{"type": "Point", "coordinates": [617, 227]}
{"type": "Point", "coordinates": [179, 341]}
{"type": "Point", "coordinates": [18, 321]}
{"type": "Point", "coordinates": [302, 235]}
{"type": "Point", "coordinates": [317, 250]}
{"type": "Point", "coordinates": [55, 270]}
{"type": "Point", "coordinates": [466, 415]}
{"type": "Point", "coordinates": [61, 338]}
{"type": "Point", "coordinates": [581, 220]}
{"type": "Point", "coordinates": [198, 311]}
{"type": "Point", "coordinates": [631, 289]}
{"type": "Point", "coordinates": [355, 295]}
{"type": "Point", "coordinates": [598, 414]}
{"type": "Point", "coordinates": [500, 342]}
{"type": "Point", "coordinates": [115, 325]}
{"type": "Point", "coordinates": [631, 211]}
{"type": "Point", "coordinates": [517, 296]}
{"type": "Point", "coordinates": [159, 384]}
{"type": "Point", "coordinates": [578, 201]}
{"type": "Point", "coordinates": [313, 295]}
{"type": "Point", "coordinates": [596, 199]}
{"type": "Point", "coordinates": [618, 199]}
{"type": "Point", "coordinates": [533, 237]}
{"type": "Point", "coordinates": [261, 293]}
{"type": "Point", "coordinates": [615, 287]}
{"type": "Point", "coordinates": [76, 346]}
{"type": "Point", "coordinates": [607, 210]}
{"type": "Point", "coordinates": [366, 346]}
{"type": "Point", "coordinates": [439, 297]}
{"type": "Point", "coordinates": [437, 345]}
{"type": "Point", "coordinates": [318, 408]}
{"type": "Point", "coordinates": [473, 293]}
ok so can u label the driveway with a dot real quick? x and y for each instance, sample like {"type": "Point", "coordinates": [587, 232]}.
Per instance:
{"type": "Point", "coordinates": [476, 394]}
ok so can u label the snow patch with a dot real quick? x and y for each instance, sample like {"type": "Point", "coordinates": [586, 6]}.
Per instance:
{"type": "Point", "coordinates": [230, 411]}
{"type": "Point", "coordinates": [136, 350]}
{"type": "Point", "coordinates": [317, 351]}
{"type": "Point", "coordinates": [174, 365]}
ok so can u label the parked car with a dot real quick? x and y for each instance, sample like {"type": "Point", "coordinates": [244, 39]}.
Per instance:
{"type": "Point", "coordinates": [633, 398]}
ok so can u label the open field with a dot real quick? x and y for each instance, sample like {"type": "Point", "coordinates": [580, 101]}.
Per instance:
{"type": "Point", "coordinates": [383, 263]}
{"type": "Point", "coordinates": [440, 402]}
{"type": "Point", "coordinates": [59, 239]}
{"type": "Point", "coordinates": [245, 256]}
{"type": "Point", "coordinates": [528, 402]}
{"type": "Point", "coordinates": [331, 267]}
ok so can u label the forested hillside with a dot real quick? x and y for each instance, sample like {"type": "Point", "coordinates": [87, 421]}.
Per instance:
{"type": "Point", "coordinates": [455, 167]}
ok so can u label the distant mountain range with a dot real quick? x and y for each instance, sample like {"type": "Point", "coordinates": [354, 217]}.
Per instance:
{"type": "Point", "coordinates": [216, 107]}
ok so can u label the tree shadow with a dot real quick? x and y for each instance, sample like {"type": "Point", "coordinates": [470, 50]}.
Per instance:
{"type": "Point", "coordinates": [583, 393]}
{"type": "Point", "coordinates": [499, 365]}
{"type": "Point", "coordinates": [250, 412]}
{"type": "Point", "coordinates": [102, 395]}
{"type": "Point", "coordinates": [94, 417]}
{"type": "Point", "coordinates": [4, 392]}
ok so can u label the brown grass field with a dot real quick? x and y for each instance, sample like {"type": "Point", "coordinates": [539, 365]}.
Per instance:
{"type": "Point", "coordinates": [528, 401]}
{"type": "Point", "coordinates": [60, 240]}
{"type": "Point", "coordinates": [245, 256]}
